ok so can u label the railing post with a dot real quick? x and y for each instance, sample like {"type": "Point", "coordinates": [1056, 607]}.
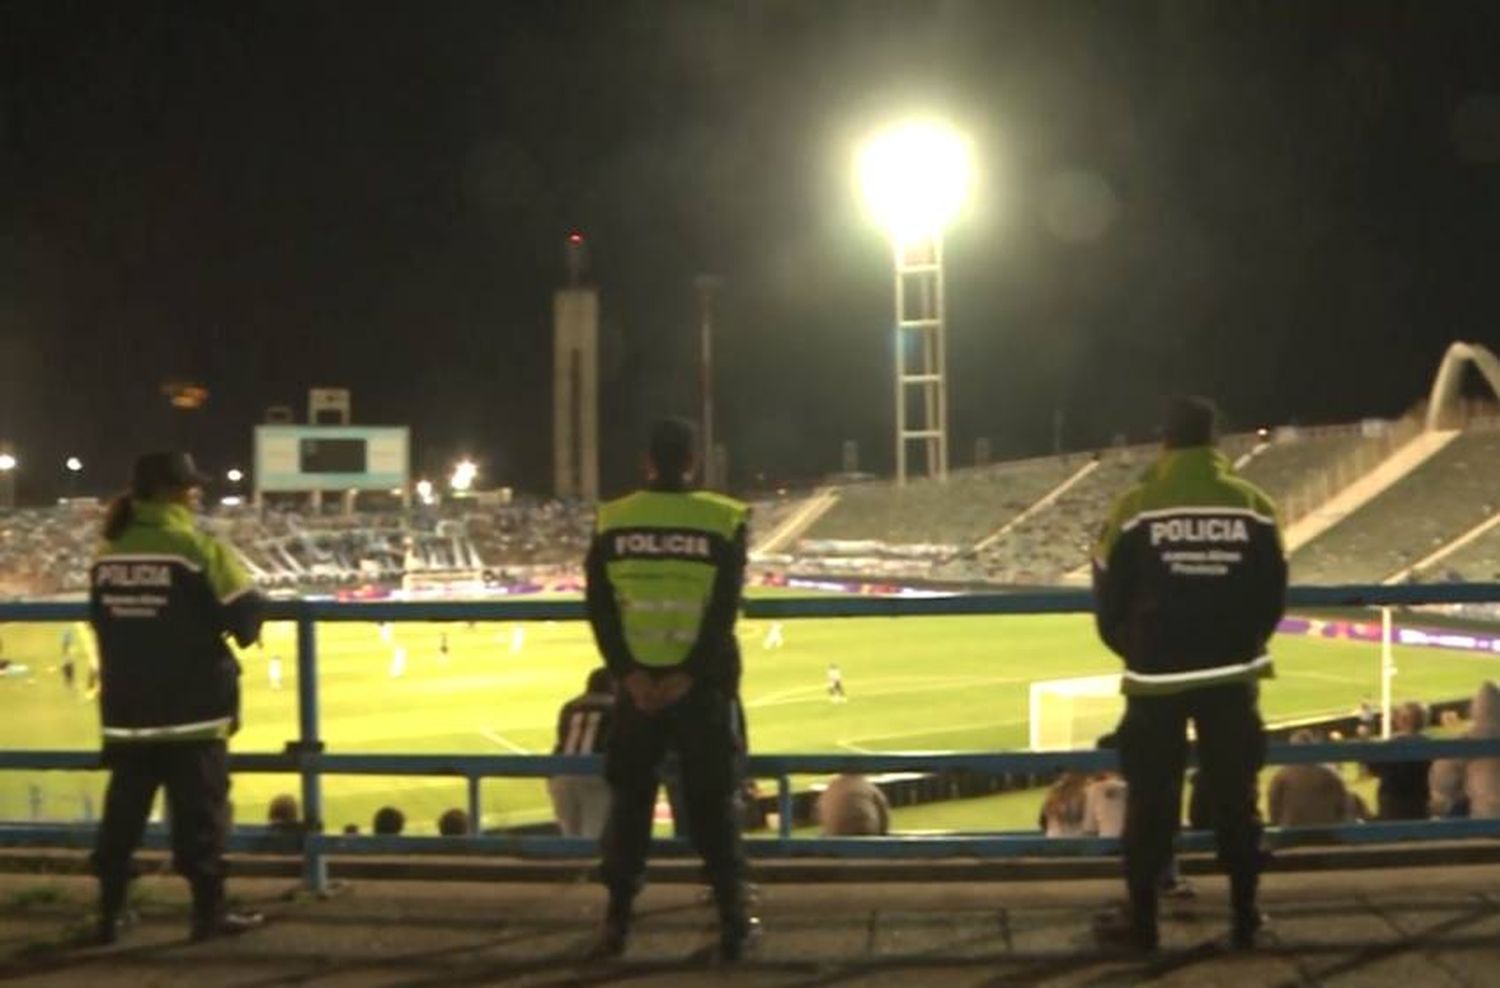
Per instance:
{"type": "Point", "coordinates": [784, 806]}
{"type": "Point", "coordinates": [1387, 670]}
{"type": "Point", "coordinates": [308, 745]}
{"type": "Point", "coordinates": [474, 808]}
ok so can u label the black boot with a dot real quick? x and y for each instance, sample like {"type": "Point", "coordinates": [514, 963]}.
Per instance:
{"type": "Point", "coordinates": [739, 931]}
{"type": "Point", "coordinates": [615, 930]}
{"type": "Point", "coordinates": [112, 918]}
{"type": "Point", "coordinates": [212, 917]}
{"type": "Point", "coordinates": [1249, 922]}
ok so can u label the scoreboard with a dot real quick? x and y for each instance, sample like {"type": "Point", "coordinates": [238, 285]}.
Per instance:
{"type": "Point", "coordinates": [332, 458]}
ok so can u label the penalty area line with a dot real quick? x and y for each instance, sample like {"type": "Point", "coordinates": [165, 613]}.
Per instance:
{"type": "Point", "coordinates": [503, 741]}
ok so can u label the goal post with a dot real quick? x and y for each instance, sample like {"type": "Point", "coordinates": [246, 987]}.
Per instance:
{"type": "Point", "coordinates": [1069, 714]}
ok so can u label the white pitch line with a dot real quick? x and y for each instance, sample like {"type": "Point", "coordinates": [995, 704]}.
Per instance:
{"type": "Point", "coordinates": [503, 741]}
{"type": "Point", "coordinates": [850, 744]}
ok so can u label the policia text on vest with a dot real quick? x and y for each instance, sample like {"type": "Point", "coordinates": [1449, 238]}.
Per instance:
{"type": "Point", "coordinates": [163, 596]}
{"type": "Point", "coordinates": [665, 575]}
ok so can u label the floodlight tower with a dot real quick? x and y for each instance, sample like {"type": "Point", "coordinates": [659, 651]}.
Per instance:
{"type": "Point", "coordinates": [915, 178]}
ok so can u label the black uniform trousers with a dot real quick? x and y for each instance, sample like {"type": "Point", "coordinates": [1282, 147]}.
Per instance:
{"type": "Point", "coordinates": [1153, 755]}
{"type": "Point", "coordinates": [701, 729]}
{"type": "Point", "coordinates": [196, 776]}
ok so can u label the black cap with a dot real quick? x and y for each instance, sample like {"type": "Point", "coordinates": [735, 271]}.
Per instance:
{"type": "Point", "coordinates": [673, 444]}
{"type": "Point", "coordinates": [1190, 421]}
{"type": "Point", "coordinates": [156, 473]}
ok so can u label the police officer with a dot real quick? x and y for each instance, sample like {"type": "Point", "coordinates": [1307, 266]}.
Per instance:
{"type": "Point", "coordinates": [665, 573]}
{"type": "Point", "coordinates": [163, 597]}
{"type": "Point", "coordinates": [1189, 583]}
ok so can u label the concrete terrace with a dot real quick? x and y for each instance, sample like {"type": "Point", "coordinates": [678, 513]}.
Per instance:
{"type": "Point", "coordinates": [1423, 926]}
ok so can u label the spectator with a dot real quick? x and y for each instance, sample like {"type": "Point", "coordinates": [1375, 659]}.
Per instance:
{"type": "Point", "coordinates": [1475, 780]}
{"type": "Point", "coordinates": [1062, 810]}
{"type": "Point", "coordinates": [581, 802]}
{"type": "Point", "coordinates": [853, 806]}
{"type": "Point", "coordinates": [454, 823]}
{"type": "Point", "coordinates": [1308, 795]}
{"type": "Point", "coordinates": [1403, 792]}
{"type": "Point", "coordinates": [283, 813]}
{"type": "Point", "coordinates": [351, 830]}
{"type": "Point", "coordinates": [389, 821]}
{"type": "Point", "coordinates": [1104, 805]}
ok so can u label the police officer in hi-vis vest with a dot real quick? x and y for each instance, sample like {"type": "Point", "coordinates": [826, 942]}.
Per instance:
{"type": "Point", "coordinates": [1189, 584]}
{"type": "Point", "coordinates": [665, 572]}
{"type": "Point", "coordinates": [163, 596]}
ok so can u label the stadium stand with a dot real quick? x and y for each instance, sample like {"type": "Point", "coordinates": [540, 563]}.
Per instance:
{"type": "Point", "coordinates": [1048, 545]}
{"type": "Point", "coordinates": [970, 505]}
{"type": "Point", "coordinates": [1441, 500]}
{"type": "Point", "coordinates": [1478, 559]}
{"type": "Point", "coordinates": [1302, 468]}
{"type": "Point", "coordinates": [45, 551]}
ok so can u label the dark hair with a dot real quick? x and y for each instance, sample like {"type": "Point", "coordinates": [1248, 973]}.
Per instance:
{"type": "Point", "coordinates": [389, 821]}
{"type": "Point", "coordinates": [600, 681]}
{"type": "Point", "coordinates": [672, 446]}
{"type": "Point", "coordinates": [283, 811]}
{"type": "Point", "coordinates": [118, 517]}
{"type": "Point", "coordinates": [1190, 421]}
{"type": "Point", "coordinates": [454, 823]}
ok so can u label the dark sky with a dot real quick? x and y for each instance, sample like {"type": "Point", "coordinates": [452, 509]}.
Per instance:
{"type": "Point", "coordinates": [1291, 206]}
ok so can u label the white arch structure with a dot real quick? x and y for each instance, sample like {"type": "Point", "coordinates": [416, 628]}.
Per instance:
{"type": "Point", "coordinates": [1450, 374]}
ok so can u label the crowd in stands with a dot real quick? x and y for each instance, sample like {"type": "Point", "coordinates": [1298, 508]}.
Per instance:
{"type": "Point", "coordinates": [984, 525]}
{"type": "Point", "coordinates": [47, 551]}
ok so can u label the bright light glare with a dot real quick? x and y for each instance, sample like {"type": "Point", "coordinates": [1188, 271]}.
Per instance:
{"type": "Point", "coordinates": [424, 491]}
{"type": "Point", "coordinates": [464, 473]}
{"type": "Point", "coordinates": [231, 500]}
{"type": "Point", "coordinates": [7, 462]}
{"type": "Point", "coordinates": [74, 464]}
{"type": "Point", "coordinates": [235, 475]}
{"type": "Point", "coordinates": [915, 178]}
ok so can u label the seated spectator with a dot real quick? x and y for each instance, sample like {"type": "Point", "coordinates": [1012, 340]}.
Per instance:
{"type": "Point", "coordinates": [351, 830]}
{"type": "Point", "coordinates": [1104, 805]}
{"type": "Point", "coordinates": [581, 802]}
{"type": "Point", "coordinates": [853, 806]}
{"type": "Point", "coordinates": [283, 813]}
{"type": "Point", "coordinates": [389, 821]}
{"type": "Point", "coordinates": [1309, 795]}
{"type": "Point", "coordinates": [1403, 792]}
{"type": "Point", "coordinates": [1475, 781]}
{"type": "Point", "coordinates": [454, 823]}
{"type": "Point", "coordinates": [1062, 810]}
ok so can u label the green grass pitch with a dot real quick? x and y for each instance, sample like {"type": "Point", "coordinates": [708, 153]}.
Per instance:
{"type": "Point", "coordinates": [950, 683]}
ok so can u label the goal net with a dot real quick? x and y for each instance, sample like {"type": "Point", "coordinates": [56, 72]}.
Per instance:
{"type": "Point", "coordinates": [1074, 713]}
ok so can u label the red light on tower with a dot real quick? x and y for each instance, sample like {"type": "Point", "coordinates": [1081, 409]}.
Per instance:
{"type": "Point", "coordinates": [577, 259]}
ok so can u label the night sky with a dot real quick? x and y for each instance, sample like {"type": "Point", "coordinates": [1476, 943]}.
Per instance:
{"type": "Point", "coordinates": [1292, 207]}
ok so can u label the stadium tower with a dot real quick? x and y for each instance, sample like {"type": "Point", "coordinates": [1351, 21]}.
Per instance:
{"type": "Point", "coordinates": [575, 381]}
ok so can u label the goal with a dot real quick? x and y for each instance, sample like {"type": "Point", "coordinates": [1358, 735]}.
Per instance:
{"type": "Point", "coordinates": [1074, 713]}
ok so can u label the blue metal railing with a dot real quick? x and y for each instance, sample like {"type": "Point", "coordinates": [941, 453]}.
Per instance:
{"type": "Point", "coordinates": [305, 755]}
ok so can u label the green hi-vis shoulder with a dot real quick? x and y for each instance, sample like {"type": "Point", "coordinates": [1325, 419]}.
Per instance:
{"type": "Point", "coordinates": [661, 552]}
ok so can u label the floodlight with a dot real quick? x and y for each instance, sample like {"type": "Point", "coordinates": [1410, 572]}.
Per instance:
{"type": "Point", "coordinates": [915, 178]}
{"type": "Point", "coordinates": [464, 473]}
{"type": "Point", "coordinates": [235, 475]}
{"type": "Point", "coordinates": [7, 462]}
{"type": "Point", "coordinates": [74, 464]}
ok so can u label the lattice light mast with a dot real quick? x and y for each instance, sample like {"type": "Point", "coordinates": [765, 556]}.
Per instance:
{"type": "Point", "coordinates": [915, 178]}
